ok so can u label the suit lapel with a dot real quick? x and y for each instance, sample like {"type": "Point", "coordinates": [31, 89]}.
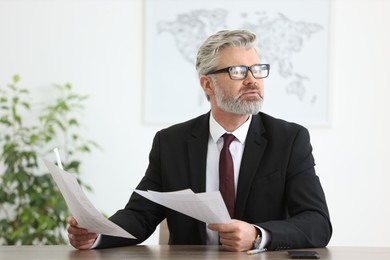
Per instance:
{"type": "Point", "coordinates": [197, 154]}
{"type": "Point", "coordinates": [255, 145]}
{"type": "Point", "coordinates": [197, 158]}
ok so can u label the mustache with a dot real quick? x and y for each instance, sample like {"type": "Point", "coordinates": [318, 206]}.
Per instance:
{"type": "Point", "coordinates": [250, 89]}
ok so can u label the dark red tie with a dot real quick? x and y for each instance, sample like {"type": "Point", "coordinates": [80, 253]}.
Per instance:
{"type": "Point", "coordinates": [226, 174]}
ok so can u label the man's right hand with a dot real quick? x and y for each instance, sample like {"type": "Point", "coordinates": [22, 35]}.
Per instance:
{"type": "Point", "coordinates": [79, 238]}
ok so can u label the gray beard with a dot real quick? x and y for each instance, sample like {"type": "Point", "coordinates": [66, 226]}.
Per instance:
{"type": "Point", "coordinates": [235, 104]}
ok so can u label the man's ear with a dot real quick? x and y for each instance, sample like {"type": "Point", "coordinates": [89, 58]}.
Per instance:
{"type": "Point", "coordinates": [207, 85]}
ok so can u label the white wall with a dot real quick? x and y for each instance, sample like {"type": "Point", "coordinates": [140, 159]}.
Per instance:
{"type": "Point", "coordinates": [97, 46]}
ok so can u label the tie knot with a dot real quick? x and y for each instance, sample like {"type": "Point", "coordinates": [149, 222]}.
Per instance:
{"type": "Point", "coordinates": [228, 139]}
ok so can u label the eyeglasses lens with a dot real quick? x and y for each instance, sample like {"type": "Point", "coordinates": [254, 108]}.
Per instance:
{"type": "Point", "coordinates": [240, 72]}
{"type": "Point", "coordinates": [260, 71]}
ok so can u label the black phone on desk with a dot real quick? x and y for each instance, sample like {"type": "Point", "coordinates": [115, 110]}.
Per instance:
{"type": "Point", "coordinates": [304, 254]}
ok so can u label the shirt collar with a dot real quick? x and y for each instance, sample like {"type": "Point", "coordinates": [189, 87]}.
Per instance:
{"type": "Point", "coordinates": [216, 130]}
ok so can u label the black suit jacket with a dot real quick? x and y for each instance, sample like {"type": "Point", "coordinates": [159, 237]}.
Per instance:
{"type": "Point", "coordinates": [277, 187]}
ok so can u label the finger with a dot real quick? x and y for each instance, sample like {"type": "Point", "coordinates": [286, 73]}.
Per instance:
{"type": "Point", "coordinates": [213, 227]}
{"type": "Point", "coordinates": [233, 245]}
{"type": "Point", "coordinates": [220, 227]}
{"type": "Point", "coordinates": [76, 230]}
{"type": "Point", "coordinates": [72, 221]}
{"type": "Point", "coordinates": [228, 235]}
{"type": "Point", "coordinates": [84, 244]}
{"type": "Point", "coordinates": [85, 237]}
{"type": "Point", "coordinates": [231, 248]}
{"type": "Point", "coordinates": [87, 246]}
{"type": "Point", "coordinates": [80, 240]}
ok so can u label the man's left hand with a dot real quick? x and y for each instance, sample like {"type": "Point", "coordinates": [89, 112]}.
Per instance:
{"type": "Point", "coordinates": [235, 236]}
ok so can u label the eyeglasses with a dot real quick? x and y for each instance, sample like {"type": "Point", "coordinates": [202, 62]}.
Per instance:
{"type": "Point", "coordinates": [259, 71]}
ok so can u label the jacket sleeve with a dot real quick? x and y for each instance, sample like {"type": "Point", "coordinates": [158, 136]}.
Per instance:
{"type": "Point", "coordinates": [307, 223]}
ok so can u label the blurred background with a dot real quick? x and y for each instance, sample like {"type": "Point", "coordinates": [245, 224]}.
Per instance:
{"type": "Point", "coordinates": [98, 47]}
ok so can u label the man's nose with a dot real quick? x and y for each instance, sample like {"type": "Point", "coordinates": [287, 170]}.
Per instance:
{"type": "Point", "coordinates": [249, 78]}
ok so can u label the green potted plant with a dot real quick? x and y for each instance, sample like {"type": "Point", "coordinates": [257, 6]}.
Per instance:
{"type": "Point", "coordinates": [32, 210]}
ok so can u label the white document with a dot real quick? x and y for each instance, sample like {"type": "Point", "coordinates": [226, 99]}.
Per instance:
{"type": "Point", "coordinates": [83, 211]}
{"type": "Point", "coordinates": [208, 207]}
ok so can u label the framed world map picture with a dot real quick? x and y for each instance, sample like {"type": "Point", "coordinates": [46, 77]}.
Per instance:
{"type": "Point", "coordinates": [292, 37]}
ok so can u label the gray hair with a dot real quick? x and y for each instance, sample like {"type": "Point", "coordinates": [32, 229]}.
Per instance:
{"type": "Point", "coordinates": [208, 51]}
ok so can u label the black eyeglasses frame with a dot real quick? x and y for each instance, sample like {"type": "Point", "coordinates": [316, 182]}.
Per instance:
{"type": "Point", "coordinates": [247, 68]}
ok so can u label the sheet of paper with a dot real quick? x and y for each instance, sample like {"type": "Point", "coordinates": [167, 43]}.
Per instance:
{"type": "Point", "coordinates": [82, 209]}
{"type": "Point", "coordinates": [207, 207]}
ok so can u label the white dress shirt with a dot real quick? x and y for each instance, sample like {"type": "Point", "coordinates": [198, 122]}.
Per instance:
{"type": "Point", "coordinates": [236, 148]}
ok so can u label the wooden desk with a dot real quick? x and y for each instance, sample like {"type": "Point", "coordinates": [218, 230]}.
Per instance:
{"type": "Point", "coordinates": [178, 252]}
